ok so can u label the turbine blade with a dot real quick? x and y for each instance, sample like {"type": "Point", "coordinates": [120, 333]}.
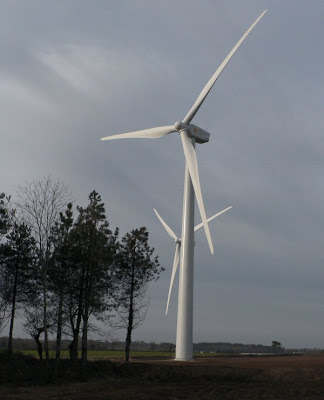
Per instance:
{"type": "Point", "coordinates": [197, 227]}
{"type": "Point", "coordinates": [166, 226]}
{"type": "Point", "coordinates": [152, 133]}
{"type": "Point", "coordinates": [192, 112]}
{"type": "Point", "coordinates": [191, 160]}
{"type": "Point", "coordinates": [174, 270]}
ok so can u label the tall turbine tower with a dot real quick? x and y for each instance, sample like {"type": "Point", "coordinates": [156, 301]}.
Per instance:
{"type": "Point", "coordinates": [190, 135]}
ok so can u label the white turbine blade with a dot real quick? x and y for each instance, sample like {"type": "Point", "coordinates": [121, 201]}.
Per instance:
{"type": "Point", "coordinates": [192, 112]}
{"type": "Point", "coordinates": [152, 133]}
{"type": "Point", "coordinates": [166, 226]}
{"type": "Point", "coordinates": [197, 227]}
{"type": "Point", "coordinates": [174, 270]}
{"type": "Point", "coordinates": [191, 160]}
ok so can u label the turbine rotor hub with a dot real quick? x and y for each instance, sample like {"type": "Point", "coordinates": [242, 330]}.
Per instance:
{"type": "Point", "coordinates": [179, 126]}
{"type": "Point", "coordinates": [193, 131]}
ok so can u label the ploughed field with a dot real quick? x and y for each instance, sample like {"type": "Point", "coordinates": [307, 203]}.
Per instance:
{"type": "Point", "coordinates": [267, 377]}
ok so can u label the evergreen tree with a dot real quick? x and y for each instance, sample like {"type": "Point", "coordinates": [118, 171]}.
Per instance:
{"type": "Point", "coordinates": [92, 287]}
{"type": "Point", "coordinates": [59, 268]}
{"type": "Point", "coordinates": [136, 267]}
{"type": "Point", "coordinates": [17, 260]}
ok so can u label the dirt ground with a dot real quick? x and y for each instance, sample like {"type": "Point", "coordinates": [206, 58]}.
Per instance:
{"type": "Point", "coordinates": [235, 378]}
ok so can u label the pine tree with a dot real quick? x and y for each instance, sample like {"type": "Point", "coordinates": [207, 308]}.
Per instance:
{"type": "Point", "coordinates": [92, 288]}
{"type": "Point", "coordinates": [136, 267]}
{"type": "Point", "coordinates": [59, 268]}
{"type": "Point", "coordinates": [17, 261]}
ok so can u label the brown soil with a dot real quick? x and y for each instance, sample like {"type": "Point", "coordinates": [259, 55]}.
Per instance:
{"type": "Point", "coordinates": [235, 378]}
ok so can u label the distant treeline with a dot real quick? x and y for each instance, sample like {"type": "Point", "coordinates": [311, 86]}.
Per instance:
{"type": "Point", "coordinates": [235, 348]}
{"type": "Point", "coordinates": [219, 347]}
{"type": "Point", "coordinates": [99, 345]}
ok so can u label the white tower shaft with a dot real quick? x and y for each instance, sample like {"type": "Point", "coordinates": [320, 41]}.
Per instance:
{"type": "Point", "coordinates": [184, 347]}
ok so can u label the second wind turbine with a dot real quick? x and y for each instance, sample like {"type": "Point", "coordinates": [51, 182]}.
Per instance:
{"type": "Point", "coordinates": [190, 135]}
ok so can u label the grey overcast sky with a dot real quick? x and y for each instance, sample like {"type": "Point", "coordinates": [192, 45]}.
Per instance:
{"type": "Point", "coordinates": [76, 70]}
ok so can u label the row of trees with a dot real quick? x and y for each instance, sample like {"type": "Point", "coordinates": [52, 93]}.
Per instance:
{"type": "Point", "coordinates": [63, 269]}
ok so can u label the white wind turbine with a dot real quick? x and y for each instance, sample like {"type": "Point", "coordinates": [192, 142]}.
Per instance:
{"type": "Point", "coordinates": [178, 245]}
{"type": "Point", "coordinates": [190, 134]}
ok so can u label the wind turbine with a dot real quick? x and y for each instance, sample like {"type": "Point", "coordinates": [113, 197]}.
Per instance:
{"type": "Point", "coordinates": [190, 134]}
{"type": "Point", "coordinates": [178, 245]}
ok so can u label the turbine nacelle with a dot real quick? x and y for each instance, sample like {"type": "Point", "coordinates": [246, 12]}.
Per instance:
{"type": "Point", "coordinates": [199, 134]}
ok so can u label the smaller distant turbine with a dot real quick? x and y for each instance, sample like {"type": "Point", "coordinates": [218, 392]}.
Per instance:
{"type": "Point", "coordinates": [178, 244]}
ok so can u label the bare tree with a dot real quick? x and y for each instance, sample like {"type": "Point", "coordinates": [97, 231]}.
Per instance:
{"type": "Point", "coordinates": [4, 214]}
{"type": "Point", "coordinates": [4, 315]}
{"type": "Point", "coordinates": [40, 203]}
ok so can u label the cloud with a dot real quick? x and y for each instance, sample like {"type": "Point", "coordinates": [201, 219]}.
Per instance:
{"type": "Point", "coordinates": [16, 92]}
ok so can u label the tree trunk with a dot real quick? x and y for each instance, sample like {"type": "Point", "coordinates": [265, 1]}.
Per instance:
{"type": "Point", "coordinates": [13, 311]}
{"type": "Point", "coordinates": [85, 317]}
{"type": "Point", "coordinates": [128, 343]}
{"type": "Point", "coordinates": [74, 345]}
{"type": "Point", "coordinates": [45, 318]}
{"type": "Point", "coordinates": [39, 344]}
{"type": "Point", "coordinates": [130, 318]}
{"type": "Point", "coordinates": [59, 332]}
{"type": "Point", "coordinates": [84, 345]}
